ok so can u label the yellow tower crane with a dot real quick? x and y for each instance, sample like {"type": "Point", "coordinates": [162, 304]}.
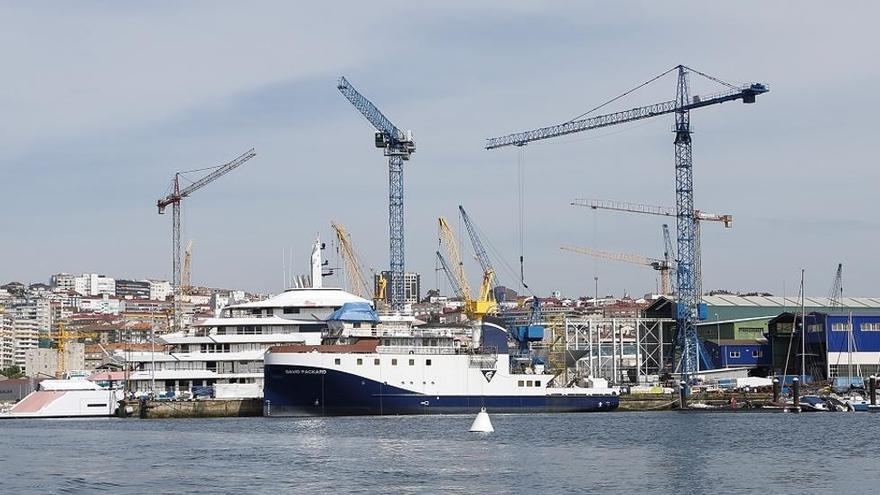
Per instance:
{"type": "Point", "coordinates": [61, 338]}
{"type": "Point", "coordinates": [662, 266]}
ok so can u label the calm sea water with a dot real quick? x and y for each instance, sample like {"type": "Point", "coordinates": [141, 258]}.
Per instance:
{"type": "Point", "coordinates": [564, 453]}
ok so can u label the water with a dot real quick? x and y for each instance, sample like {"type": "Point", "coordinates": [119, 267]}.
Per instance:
{"type": "Point", "coordinates": [563, 453]}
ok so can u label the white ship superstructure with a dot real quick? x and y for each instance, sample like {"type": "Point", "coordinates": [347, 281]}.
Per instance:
{"type": "Point", "coordinates": [223, 356]}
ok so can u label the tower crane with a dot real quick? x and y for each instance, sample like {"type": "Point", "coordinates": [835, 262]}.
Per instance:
{"type": "Point", "coordinates": [668, 211]}
{"type": "Point", "coordinates": [186, 277]}
{"type": "Point", "coordinates": [174, 198]}
{"type": "Point", "coordinates": [662, 266]}
{"type": "Point", "coordinates": [398, 146]}
{"type": "Point", "coordinates": [680, 107]}
{"type": "Point", "coordinates": [484, 303]}
{"type": "Point", "coordinates": [353, 271]}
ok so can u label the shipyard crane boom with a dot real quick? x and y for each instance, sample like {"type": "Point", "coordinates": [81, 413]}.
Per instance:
{"type": "Point", "coordinates": [660, 265]}
{"type": "Point", "coordinates": [489, 273]}
{"type": "Point", "coordinates": [174, 198]}
{"type": "Point", "coordinates": [447, 240]}
{"type": "Point", "coordinates": [667, 211]}
{"type": "Point", "coordinates": [398, 146]}
{"type": "Point", "coordinates": [680, 107]}
{"type": "Point", "coordinates": [484, 302]}
{"type": "Point", "coordinates": [353, 271]}
{"type": "Point", "coordinates": [453, 280]}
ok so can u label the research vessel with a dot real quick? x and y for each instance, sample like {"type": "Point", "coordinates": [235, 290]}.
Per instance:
{"type": "Point", "coordinates": [369, 364]}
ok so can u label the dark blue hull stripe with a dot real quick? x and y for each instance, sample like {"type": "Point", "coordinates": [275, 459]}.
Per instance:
{"type": "Point", "coordinates": [305, 391]}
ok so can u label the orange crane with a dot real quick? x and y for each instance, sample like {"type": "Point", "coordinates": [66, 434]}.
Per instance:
{"type": "Point", "coordinates": [667, 211]}
{"type": "Point", "coordinates": [173, 198]}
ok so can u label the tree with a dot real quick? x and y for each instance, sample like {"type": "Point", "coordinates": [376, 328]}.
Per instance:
{"type": "Point", "coordinates": [12, 372]}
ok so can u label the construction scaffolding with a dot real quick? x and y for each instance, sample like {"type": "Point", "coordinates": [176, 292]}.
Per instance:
{"type": "Point", "coordinates": [620, 350]}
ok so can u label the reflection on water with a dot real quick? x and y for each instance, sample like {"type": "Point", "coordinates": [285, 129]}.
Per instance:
{"type": "Point", "coordinates": [565, 453]}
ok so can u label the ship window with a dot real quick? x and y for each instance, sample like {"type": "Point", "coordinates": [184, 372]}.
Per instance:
{"type": "Point", "coordinates": [97, 405]}
{"type": "Point", "coordinates": [412, 362]}
{"type": "Point", "coordinates": [337, 361]}
{"type": "Point", "coordinates": [537, 383]}
{"type": "Point", "coordinates": [360, 361]}
{"type": "Point", "coordinates": [520, 383]}
{"type": "Point", "coordinates": [376, 361]}
{"type": "Point", "coordinates": [528, 383]}
{"type": "Point", "coordinates": [394, 362]}
{"type": "Point", "coordinates": [757, 354]}
{"type": "Point", "coordinates": [427, 362]}
{"type": "Point", "coordinates": [734, 354]}
{"type": "Point", "coordinates": [356, 324]}
{"type": "Point", "coordinates": [270, 312]}
{"type": "Point", "coordinates": [291, 311]}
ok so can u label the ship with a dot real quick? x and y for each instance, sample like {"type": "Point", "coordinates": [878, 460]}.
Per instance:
{"type": "Point", "coordinates": [222, 357]}
{"type": "Point", "coordinates": [371, 364]}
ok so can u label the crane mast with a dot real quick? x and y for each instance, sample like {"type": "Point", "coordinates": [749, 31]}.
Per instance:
{"type": "Point", "coordinates": [174, 199]}
{"type": "Point", "coordinates": [686, 313]}
{"type": "Point", "coordinates": [398, 146]}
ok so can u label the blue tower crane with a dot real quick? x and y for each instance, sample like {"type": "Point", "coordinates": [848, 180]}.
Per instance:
{"type": "Point", "coordinates": [688, 298]}
{"type": "Point", "coordinates": [398, 146]}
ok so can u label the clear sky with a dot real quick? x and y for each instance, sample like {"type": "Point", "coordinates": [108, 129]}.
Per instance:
{"type": "Point", "coordinates": [103, 101]}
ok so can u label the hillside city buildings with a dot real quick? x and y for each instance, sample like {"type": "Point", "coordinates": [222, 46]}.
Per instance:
{"type": "Point", "coordinates": [103, 318]}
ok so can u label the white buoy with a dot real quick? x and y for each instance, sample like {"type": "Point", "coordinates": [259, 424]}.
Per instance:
{"type": "Point", "coordinates": [482, 423]}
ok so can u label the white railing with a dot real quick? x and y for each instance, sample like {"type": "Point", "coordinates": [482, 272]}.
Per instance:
{"type": "Point", "coordinates": [402, 349]}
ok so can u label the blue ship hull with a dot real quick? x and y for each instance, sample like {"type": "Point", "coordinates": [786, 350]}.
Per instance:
{"type": "Point", "coordinates": [305, 391]}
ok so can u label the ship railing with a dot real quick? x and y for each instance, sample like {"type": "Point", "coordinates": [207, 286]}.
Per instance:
{"type": "Point", "coordinates": [398, 332]}
{"type": "Point", "coordinates": [421, 350]}
{"type": "Point", "coordinates": [482, 361]}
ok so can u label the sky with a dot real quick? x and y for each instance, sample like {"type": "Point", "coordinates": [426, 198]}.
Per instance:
{"type": "Point", "coordinates": [102, 102]}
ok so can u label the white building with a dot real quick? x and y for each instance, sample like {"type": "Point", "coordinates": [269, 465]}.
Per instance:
{"type": "Point", "coordinates": [43, 363]}
{"type": "Point", "coordinates": [26, 336]}
{"type": "Point", "coordinates": [160, 290]}
{"type": "Point", "coordinates": [63, 282]}
{"type": "Point", "coordinates": [103, 304]}
{"type": "Point", "coordinates": [7, 341]}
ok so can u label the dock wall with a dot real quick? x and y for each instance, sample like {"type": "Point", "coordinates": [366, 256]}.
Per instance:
{"type": "Point", "coordinates": [214, 408]}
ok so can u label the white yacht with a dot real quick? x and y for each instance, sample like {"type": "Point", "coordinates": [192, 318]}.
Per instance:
{"type": "Point", "coordinates": [223, 356]}
{"type": "Point", "coordinates": [71, 398]}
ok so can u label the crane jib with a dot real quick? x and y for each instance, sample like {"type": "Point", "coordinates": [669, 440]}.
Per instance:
{"type": "Point", "coordinates": [747, 94]}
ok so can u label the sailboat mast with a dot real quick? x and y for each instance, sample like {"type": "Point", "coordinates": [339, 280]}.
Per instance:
{"type": "Point", "coordinates": [849, 351]}
{"type": "Point", "coordinates": [803, 332]}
